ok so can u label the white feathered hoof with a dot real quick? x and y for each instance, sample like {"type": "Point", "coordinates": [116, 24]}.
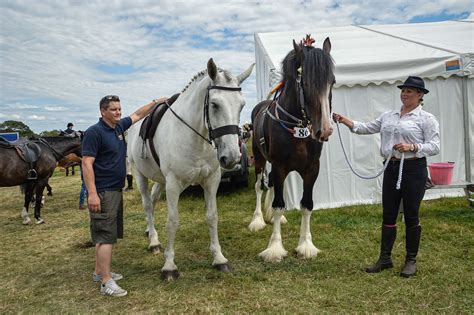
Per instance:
{"type": "Point", "coordinates": [169, 275]}
{"type": "Point", "coordinates": [26, 221]}
{"type": "Point", "coordinates": [155, 249]}
{"type": "Point", "coordinates": [307, 251]}
{"type": "Point", "coordinates": [257, 224]}
{"type": "Point", "coordinates": [222, 267]}
{"type": "Point", "coordinates": [40, 221]}
{"type": "Point", "coordinates": [273, 254]}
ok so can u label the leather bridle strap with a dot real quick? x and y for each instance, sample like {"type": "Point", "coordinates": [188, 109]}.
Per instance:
{"type": "Point", "coordinates": [223, 130]}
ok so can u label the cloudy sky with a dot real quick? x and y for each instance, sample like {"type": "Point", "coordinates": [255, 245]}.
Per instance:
{"type": "Point", "coordinates": [58, 58]}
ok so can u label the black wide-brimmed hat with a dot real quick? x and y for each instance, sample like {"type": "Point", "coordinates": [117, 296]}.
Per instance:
{"type": "Point", "coordinates": [414, 82]}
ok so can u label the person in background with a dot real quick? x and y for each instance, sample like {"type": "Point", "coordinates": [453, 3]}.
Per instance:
{"type": "Point", "coordinates": [129, 176]}
{"type": "Point", "coordinates": [413, 132]}
{"type": "Point", "coordinates": [69, 129]}
{"type": "Point", "coordinates": [104, 170]}
{"type": "Point", "coordinates": [129, 171]}
{"type": "Point", "coordinates": [82, 194]}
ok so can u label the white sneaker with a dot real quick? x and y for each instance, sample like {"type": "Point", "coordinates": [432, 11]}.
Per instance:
{"type": "Point", "coordinates": [113, 275]}
{"type": "Point", "coordinates": [112, 289]}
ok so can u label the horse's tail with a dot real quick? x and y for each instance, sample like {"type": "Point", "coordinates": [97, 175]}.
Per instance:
{"type": "Point", "coordinates": [23, 188]}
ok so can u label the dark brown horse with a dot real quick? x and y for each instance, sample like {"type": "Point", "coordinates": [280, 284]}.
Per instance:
{"type": "Point", "coordinates": [34, 176]}
{"type": "Point", "coordinates": [289, 133]}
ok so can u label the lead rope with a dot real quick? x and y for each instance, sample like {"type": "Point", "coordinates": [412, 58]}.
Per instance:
{"type": "Point", "coordinates": [399, 181]}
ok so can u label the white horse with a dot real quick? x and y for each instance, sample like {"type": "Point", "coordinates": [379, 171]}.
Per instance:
{"type": "Point", "coordinates": [196, 136]}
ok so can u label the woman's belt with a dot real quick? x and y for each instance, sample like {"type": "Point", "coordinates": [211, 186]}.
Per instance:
{"type": "Point", "coordinates": [394, 159]}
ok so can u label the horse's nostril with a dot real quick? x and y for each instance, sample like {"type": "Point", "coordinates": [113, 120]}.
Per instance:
{"type": "Point", "coordinates": [223, 160]}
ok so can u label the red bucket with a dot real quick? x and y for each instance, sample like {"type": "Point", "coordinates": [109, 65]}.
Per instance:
{"type": "Point", "coordinates": [441, 173]}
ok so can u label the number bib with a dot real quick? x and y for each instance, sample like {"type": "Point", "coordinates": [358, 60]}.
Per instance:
{"type": "Point", "coordinates": [301, 132]}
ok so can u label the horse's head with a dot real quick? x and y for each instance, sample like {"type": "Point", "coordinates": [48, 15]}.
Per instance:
{"type": "Point", "coordinates": [225, 102]}
{"type": "Point", "coordinates": [310, 71]}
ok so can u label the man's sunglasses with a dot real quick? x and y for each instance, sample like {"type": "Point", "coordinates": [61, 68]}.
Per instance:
{"type": "Point", "coordinates": [109, 98]}
{"type": "Point", "coordinates": [114, 98]}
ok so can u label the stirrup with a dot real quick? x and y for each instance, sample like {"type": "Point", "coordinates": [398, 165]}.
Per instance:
{"type": "Point", "coordinates": [32, 175]}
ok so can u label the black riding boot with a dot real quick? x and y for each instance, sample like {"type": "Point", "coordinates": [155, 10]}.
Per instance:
{"type": "Point", "coordinates": [389, 234]}
{"type": "Point", "coordinates": [129, 182]}
{"type": "Point", "coordinates": [412, 244]}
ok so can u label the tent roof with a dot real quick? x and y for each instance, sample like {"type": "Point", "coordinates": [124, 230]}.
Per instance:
{"type": "Point", "coordinates": [384, 53]}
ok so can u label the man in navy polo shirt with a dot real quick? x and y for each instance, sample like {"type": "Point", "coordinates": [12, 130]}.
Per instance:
{"type": "Point", "coordinates": [103, 164]}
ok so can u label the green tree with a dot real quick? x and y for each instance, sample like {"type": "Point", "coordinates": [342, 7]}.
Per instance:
{"type": "Point", "coordinates": [16, 126]}
{"type": "Point", "coordinates": [50, 133]}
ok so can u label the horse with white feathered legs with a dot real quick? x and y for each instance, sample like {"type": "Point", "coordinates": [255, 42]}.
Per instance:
{"type": "Point", "coordinates": [289, 132]}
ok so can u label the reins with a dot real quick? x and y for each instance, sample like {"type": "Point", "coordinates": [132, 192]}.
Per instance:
{"type": "Point", "coordinates": [400, 171]}
{"type": "Point", "coordinates": [58, 156]}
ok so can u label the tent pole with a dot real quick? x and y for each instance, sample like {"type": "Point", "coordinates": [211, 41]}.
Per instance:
{"type": "Point", "coordinates": [467, 131]}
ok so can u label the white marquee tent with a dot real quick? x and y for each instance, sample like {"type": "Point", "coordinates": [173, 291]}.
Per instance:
{"type": "Point", "coordinates": [370, 62]}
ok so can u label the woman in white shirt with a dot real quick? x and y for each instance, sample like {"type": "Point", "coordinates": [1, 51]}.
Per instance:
{"type": "Point", "coordinates": [413, 132]}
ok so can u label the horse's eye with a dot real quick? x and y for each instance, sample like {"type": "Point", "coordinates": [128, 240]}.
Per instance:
{"type": "Point", "coordinates": [214, 106]}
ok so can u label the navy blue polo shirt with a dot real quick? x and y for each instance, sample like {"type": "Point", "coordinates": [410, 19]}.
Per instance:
{"type": "Point", "coordinates": [109, 148]}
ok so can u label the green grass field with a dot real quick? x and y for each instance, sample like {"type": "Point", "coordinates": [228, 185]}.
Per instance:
{"type": "Point", "coordinates": [46, 268]}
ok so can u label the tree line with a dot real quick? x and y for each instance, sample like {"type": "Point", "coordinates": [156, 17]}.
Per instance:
{"type": "Point", "coordinates": [25, 131]}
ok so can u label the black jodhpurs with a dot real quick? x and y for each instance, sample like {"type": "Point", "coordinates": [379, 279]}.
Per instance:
{"type": "Point", "coordinates": [411, 191]}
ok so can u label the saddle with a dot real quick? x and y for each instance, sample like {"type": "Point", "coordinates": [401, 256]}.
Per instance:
{"type": "Point", "coordinates": [150, 124]}
{"type": "Point", "coordinates": [28, 150]}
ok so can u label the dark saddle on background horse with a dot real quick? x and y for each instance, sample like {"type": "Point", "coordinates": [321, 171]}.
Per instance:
{"type": "Point", "coordinates": [150, 124]}
{"type": "Point", "coordinates": [28, 150]}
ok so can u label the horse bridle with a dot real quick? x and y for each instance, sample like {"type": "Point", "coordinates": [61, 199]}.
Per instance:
{"type": "Point", "coordinates": [219, 131]}
{"type": "Point", "coordinates": [295, 122]}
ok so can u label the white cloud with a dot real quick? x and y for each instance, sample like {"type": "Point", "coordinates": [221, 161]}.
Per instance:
{"type": "Point", "coordinates": [54, 50]}
{"type": "Point", "coordinates": [55, 108]}
{"type": "Point", "coordinates": [36, 117]}
{"type": "Point", "coordinates": [21, 106]}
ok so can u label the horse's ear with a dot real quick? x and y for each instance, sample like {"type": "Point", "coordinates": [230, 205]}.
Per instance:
{"type": "Point", "coordinates": [211, 69]}
{"type": "Point", "coordinates": [327, 45]}
{"type": "Point", "coordinates": [244, 75]}
{"type": "Point", "coordinates": [298, 51]}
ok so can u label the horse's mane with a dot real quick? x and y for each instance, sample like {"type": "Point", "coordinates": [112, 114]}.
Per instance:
{"type": "Point", "coordinates": [203, 73]}
{"type": "Point", "coordinates": [318, 69]}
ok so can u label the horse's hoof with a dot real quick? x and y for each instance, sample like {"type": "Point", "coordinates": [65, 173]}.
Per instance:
{"type": "Point", "coordinates": [222, 267]}
{"type": "Point", "coordinates": [156, 249]}
{"type": "Point", "coordinates": [169, 275]}
{"type": "Point", "coordinates": [40, 221]}
{"type": "Point", "coordinates": [26, 221]}
{"type": "Point", "coordinates": [257, 225]}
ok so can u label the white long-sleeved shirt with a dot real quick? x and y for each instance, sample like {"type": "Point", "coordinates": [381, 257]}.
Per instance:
{"type": "Point", "coordinates": [416, 127]}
